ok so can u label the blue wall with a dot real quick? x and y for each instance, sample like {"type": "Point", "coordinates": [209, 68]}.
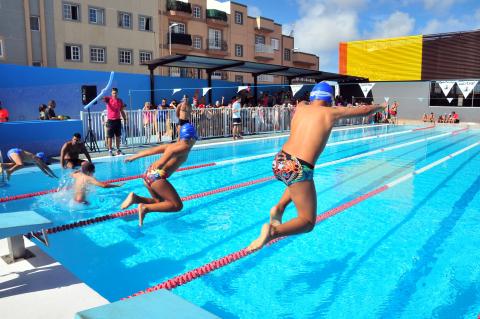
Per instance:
{"type": "Point", "coordinates": [23, 88]}
{"type": "Point", "coordinates": [37, 136]}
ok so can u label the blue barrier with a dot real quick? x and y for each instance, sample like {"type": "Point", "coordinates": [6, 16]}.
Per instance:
{"type": "Point", "coordinates": [37, 136]}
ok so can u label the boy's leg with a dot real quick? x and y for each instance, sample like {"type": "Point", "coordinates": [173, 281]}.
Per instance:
{"type": "Point", "coordinates": [276, 212]}
{"type": "Point", "coordinates": [304, 197]}
{"type": "Point", "coordinates": [167, 200]}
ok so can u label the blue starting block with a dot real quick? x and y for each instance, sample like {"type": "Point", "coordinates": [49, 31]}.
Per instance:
{"type": "Point", "coordinates": [158, 304]}
{"type": "Point", "coordinates": [14, 225]}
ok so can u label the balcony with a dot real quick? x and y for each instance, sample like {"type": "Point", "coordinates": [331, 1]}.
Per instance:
{"type": "Point", "coordinates": [264, 52]}
{"type": "Point", "coordinates": [180, 42]}
{"type": "Point", "coordinates": [217, 47]}
{"type": "Point", "coordinates": [179, 9]}
{"type": "Point", "coordinates": [304, 59]}
{"type": "Point", "coordinates": [217, 18]}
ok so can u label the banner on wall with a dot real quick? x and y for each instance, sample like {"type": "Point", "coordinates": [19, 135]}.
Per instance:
{"type": "Point", "coordinates": [205, 90]}
{"type": "Point", "coordinates": [176, 90]}
{"type": "Point", "coordinates": [466, 87]}
{"type": "Point", "coordinates": [387, 99]}
{"type": "Point", "coordinates": [366, 88]}
{"type": "Point", "coordinates": [295, 88]}
{"type": "Point", "coordinates": [446, 86]}
{"type": "Point", "coordinates": [449, 99]}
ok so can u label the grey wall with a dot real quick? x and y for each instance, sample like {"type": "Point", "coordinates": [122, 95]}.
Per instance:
{"type": "Point", "coordinates": [50, 28]}
{"type": "Point", "coordinates": [414, 101]}
{"type": "Point", "coordinates": [12, 30]}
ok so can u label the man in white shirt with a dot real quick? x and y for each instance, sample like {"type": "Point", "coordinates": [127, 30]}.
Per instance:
{"type": "Point", "coordinates": [236, 118]}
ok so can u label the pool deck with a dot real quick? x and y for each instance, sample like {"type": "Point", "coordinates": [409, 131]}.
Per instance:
{"type": "Point", "coordinates": [40, 287]}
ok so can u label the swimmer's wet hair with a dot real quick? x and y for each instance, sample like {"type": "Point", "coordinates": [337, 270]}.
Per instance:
{"type": "Point", "coordinates": [88, 168]}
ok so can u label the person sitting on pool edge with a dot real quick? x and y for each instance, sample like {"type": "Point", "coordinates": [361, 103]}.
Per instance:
{"type": "Point", "coordinates": [164, 196]}
{"type": "Point", "coordinates": [71, 150]}
{"type": "Point", "coordinates": [83, 178]}
{"type": "Point", "coordinates": [294, 164]}
{"type": "Point", "coordinates": [19, 158]}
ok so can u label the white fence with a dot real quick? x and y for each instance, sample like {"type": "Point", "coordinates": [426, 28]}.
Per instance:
{"type": "Point", "coordinates": [151, 127]}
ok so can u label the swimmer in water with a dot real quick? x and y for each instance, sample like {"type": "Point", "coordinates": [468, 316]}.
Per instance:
{"type": "Point", "coordinates": [83, 178]}
{"type": "Point", "coordinates": [19, 158]}
{"type": "Point", "coordinates": [164, 196]}
{"type": "Point", "coordinates": [294, 164]}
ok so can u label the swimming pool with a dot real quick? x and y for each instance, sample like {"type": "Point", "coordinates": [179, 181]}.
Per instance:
{"type": "Point", "coordinates": [407, 252]}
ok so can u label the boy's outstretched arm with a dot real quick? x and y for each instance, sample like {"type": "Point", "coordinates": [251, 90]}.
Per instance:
{"type": "Point", "coordinates": [151, 151]}
{"type": "Point", "coordinates": [365, 110]}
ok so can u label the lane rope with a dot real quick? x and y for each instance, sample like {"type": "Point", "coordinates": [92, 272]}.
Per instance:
{"type": "Point", "coordinates": [228, 259]}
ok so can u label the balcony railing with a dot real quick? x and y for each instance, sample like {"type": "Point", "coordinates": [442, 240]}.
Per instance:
{"type": "Point", "coordinates": [173, 5]}
{"type": "Point", "coordinates": [217, 15]}
{"type": "Point", "coordinates": [263, 48]}
{"type": "Point", "coordinates": [180, 38]}
{"type": "Point", "coordinates": [218, 45]}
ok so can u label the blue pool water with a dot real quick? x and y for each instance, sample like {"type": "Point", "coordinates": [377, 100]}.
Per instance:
{"type": "Point", "coordinates": [409, 252]}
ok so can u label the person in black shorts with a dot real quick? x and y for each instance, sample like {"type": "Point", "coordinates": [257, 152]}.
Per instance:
{"type": "Point", "coordinates": [71, 150]}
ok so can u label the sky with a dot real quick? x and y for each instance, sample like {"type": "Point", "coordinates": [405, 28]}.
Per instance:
{"type": "Point", "coordinates": [319, 25]}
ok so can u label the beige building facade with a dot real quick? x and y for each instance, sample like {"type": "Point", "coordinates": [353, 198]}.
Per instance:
{"type": "Point", "coordinates": [119, 35]}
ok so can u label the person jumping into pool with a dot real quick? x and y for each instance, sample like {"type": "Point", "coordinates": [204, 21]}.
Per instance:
{"type": "Point", "coordinates": [164, 196]}
{"type": "Point", "coordinates": [19, 158]}
{"type": "Point", "coordinates": [83, 178]}
{"type": "Point", "coordinates": [294, 164]}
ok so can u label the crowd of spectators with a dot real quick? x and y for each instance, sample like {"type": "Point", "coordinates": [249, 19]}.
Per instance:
{"type": "Point", "coordinates": [442, 118]}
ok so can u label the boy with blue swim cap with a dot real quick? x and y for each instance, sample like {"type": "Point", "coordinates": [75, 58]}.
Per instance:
{"type": "Point", "coordinates": [164, 196]}
{"type": "Point", "coordinates": [19, 158]}
{"type": "Point", "coordinates": [294, 164]}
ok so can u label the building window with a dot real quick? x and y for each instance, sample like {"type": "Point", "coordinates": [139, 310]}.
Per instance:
{"type": "Point", "coordinates": [287, 54]}
{"type": "Point", "coordinates": [214, 39]}
{"type": "Point", "coordinates": [125, 20]}
{"type": "Point", "coordinates": [1, 49]}
{"type": "Point", "coordinates": [275, 44]}
{"type": "Point", "coordinates": [179, 28]}
{"type": "Point", "coordinates": [36, 63]}
{"type": "Point", "coordinates": [71, 11]}
{"type": "Point", "coordinates": [217, 75]}
{"type": "Point", "coordinates": [73, 52]}
{"type": "Point", "coordinates": [174, 72]}
{"type": "Point", "coordinates": [145, 23]}
{"type": "Point", "coordinates": [239, 78]}
{"type": "Point", "coordinates": [96, 15]}
{"type": "Point", "coordinates": [145, 56]}
{"type": "Point", "coordinates": [259, 39]}
{"type": "Point", "coordinates": [97, 55]}
{"type": "Point", "coordinates": [197, 12]}
{"type": "Point", "coordinates": [238, 17]}
{"type": "Point", "coordinates": [265, 78]}
{"type": "Point", "coordinates": [238, 50]}
{"type": "Point", "coordinates": [125, 56]}
{"type": "Point", "coordinates": [197, 43]}
{"type": "Point", "coordinates": [34, 23]}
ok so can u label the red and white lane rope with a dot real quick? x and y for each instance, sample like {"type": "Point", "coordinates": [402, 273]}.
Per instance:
{"type": "Point", "coordinates": [225, 162]}
{"type": "Point", "coordinates": [90, 221]}
{"type": "Point", "coordinates": [223, 261]}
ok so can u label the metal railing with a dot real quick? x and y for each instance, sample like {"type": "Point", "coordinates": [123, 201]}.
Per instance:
{"type": "Point", "coordinates": [151, 127]}
{"type": "Point", "coordinates": [263, 48]}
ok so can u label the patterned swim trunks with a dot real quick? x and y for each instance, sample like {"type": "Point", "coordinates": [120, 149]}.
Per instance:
{"type": "Point", "coordinates": [291, 170]}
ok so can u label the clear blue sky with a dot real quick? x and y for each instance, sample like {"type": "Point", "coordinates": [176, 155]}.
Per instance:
{"type": "Point", "coordinates": [318, 25]}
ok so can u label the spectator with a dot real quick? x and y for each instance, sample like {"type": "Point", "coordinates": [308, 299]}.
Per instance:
{"type": "Point", "coordinates": [425, 117]}
{"type": "Point", "coordinates": [148, 120]}
{"type": "Point", "coordinates": [431, 118]}
{"type": "Point", "coordinates": [3, 114]}
{"type": "Point", "coordinates": [115, 111]}
{"type": "Point", "coordinates": [394, 112]}
{"type": "Point", "coordinates": [51, 110]}
{"type": "Point", "coordinates": [236, 118]}
{"type": "Point", "coordinates": [71, 150]}
{"type": "Point", "coordinates": [174, 119]}
{"type": "Point", "coordinates": [42, 112]}
{"type": "Point", "coordinates": [454, 118]}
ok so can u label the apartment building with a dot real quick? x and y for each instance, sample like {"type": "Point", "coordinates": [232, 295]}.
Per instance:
{"type": "Point", "coordinates": [121, 34]}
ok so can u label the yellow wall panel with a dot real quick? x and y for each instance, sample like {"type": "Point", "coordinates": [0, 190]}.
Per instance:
{"type": "Point", "coordinates": [393, 59]}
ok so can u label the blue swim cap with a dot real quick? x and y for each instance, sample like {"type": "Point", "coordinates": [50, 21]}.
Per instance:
{"type": "Point", "coordinates": [42, 156]}
{"type": "Point", "coordinates": [322, 91]}
{"type": "Point", "coordinates": [188, 132]}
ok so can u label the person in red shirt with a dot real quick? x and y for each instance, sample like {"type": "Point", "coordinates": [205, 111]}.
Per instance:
{"type": "Point", "coordinates": [3, 114]}
{"type": "Point", "coordinates": [115, 113]}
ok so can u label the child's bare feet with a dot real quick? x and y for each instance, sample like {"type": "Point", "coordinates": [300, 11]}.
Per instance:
{"type": "Point", "coordinates": [130, 200]}
{"type": "Point", "coordinates": [275, 216]}
{"type": "Point", "coordinates": [141, 214]}
{"type": "Point", "coordinates": [262, 239]}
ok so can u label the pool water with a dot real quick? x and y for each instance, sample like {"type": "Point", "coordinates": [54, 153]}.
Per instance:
{"type": "Point", "coordinates": [408, 252]}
